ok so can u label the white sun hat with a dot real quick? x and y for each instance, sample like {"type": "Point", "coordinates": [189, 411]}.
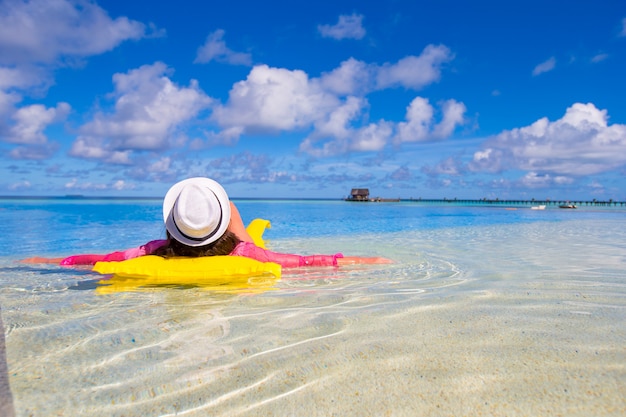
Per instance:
{"type": "Point", "coordinates": [196, 211]}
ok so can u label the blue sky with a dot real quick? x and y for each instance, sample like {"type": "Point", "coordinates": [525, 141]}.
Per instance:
{"type": "Point", "coordinates": [430, 99]}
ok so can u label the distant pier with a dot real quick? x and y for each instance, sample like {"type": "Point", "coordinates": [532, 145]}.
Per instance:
{"type": "Point", "coordinates": [362, 195]}
{"type": "Point", "coordinates": [519, 203]}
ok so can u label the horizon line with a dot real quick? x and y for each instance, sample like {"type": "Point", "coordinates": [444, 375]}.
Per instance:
{"type": "Point", "coordinates": [496, 200]}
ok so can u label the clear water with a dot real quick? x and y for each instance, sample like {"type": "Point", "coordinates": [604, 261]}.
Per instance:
{"type": "Point", "coordinates": [485, 311]}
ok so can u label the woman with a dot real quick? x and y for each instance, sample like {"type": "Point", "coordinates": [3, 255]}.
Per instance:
{"type": "Point", "coordinates": [201, 221]}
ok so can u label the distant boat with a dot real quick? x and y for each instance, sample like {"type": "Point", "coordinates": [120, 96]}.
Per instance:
{"type": "Point", "coordinates": [540, 207]}
{"type": "Point", "coordinates": [568, 206]}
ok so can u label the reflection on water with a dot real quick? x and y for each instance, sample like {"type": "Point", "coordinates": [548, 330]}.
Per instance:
{"type": "Point", "coordinates": [524, 319]}
{"type": "Point", "coordinates": [234, 284]}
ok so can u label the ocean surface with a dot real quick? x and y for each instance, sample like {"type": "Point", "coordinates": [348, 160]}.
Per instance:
{"type": "Point", "coordinates": [496, 311]}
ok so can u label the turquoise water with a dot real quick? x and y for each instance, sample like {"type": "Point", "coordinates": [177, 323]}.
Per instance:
{"type": "Point", "coordinates": [485, 310]}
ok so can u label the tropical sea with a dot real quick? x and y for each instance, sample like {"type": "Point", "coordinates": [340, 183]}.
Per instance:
{"type": "Point", "coordinates": [497, 311]}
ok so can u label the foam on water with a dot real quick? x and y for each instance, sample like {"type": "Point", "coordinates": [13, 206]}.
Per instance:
{"type": "Point", "coordinates": [513, 316]}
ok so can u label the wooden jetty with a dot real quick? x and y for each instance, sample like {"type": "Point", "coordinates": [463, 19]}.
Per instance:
{"type": "Point", "coordinates": [522, 203]}
{"type": "Point", "coordinates": [363, 195]}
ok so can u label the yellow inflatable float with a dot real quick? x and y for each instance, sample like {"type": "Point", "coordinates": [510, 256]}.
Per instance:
{"type": "Point", "coordinates": [225, 273]}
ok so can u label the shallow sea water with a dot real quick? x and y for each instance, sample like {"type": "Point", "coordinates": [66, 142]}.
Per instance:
{"type": "Point", "coordinates": [484, 311]}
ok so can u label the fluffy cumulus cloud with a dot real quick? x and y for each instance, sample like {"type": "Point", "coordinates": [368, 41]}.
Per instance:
{"type": "Point", "coordinates": [30, 122]}
{"type": "Point", "coordinates": [8, 100]}
{"type": "Point", "coordinates": [332, 107]}
{"type": "Point", "coordinates": [26, 129]}
{"type": "Point", "coordinates": [42, 31]}
{"type": "Point", "coordinates": [415, 72]}
{"type": "Point", "coordinates": [275, 99]}
{"type": "Point", "coordinates": [351, 77]}
{"type": "Point", "coordinates": [535, 180]}
{"type": "Point", "coordinates": [26, 125]}
{"type": "Point", "coordinates": [215, 49]}
{"type": "Point", "coordinates": [348, 27]}
{"type": "Point", "coordinates": [23, 78]}
{"type": "Point", "coordinates": [36, 37]}
{"type": "Point", "coordinates": [149, 109]}
{"type": "Point", "coordinates": [421, 125]}
{"type": "Point", "coordinates": [371, 137]}
{"type": "Point", "coordinates": [336, 134]}
{"type": "Point", "coordinates": [578, 144]}
{"type": "Point", "coordinates": [412, 72]}
{"type": "Point", "coordinates": [336, 123]}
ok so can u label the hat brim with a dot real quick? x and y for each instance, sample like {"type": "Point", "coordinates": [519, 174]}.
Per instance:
{"type": "Point", "coordinates": [170, 199]}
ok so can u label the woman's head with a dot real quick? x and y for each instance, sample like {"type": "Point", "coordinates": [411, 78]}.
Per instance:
{"type": "Point", "coordinates": [222, 246]}
{"type": "Point", "coordinates": [196, 212]}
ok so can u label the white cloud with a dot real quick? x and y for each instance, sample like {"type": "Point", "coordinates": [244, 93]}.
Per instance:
{"type": "Point", "coordinates": [149, 109]}
{"type": "Point", "coordinates": [599, 58]}
{"type": "Point", "coordinates": [348, 27]}
{"type": "Point", "coordinates": [20, 185]}
{"type": "Point", "coordinates": [229, 136]}
{"type": "Point", "coordinates": [26, 125]}
{"type": "Point", "coordinates": [580, 143]}
{"type": "Point", "coordinates": [420, 121]}
{"type": "Point", "coordinates": [39, 152]}
{"type": "Point", "coordinates": [120, 185]}
{"type": "Point", "coordinates": [419, 116]}
{"type": "Point", "coordinates": [336, 123]}
{"type": "Point", "coordinates": [31, 121]}
{"type": "Point", "coordinates": [373, 137]}
{"type": "Point", "coordinates": [278, 99]}
{"type": "Point", "coordinates": [534, 180]}
{"type": "Point", "coordinates": [336, 135]}
{"type": "Point", "coordinates": [402, 173]}
{"type": "Point", "coordinates": [545, 66]}
{"type": "Point", "coordinates": [162, 165]}
{"type": "Point", "coordinates": [351, 77]}
{"type": "Point", "coordinates": [449, 166]}
{"type": "Point", "coordinates": [453, 116]}
{"type": "Point", "coordinates": [7, 103]}
{"type": "Point", "coordinates": [13, 82]}
{"type": "Point", "coordinates": [415, 71]}
{"type": "Point", "coordinates": [274, 99]}
{"type": "Point", "coordinates": [35, 37]}
{"type": "Point", "coordinates": [412, 72]}
{"type": "Point", "coordinates": [91, 148]}
{"type": "Point", "coordinates": [215, 49]}
{"type": "Point", "coordinates": [74, 184]}
{"type": "Point", "coordinates": [623, 32]}
{"type": "Point", "coordinates": [22, 77]}
{"type": "Point", "coordinates": [41, 31]}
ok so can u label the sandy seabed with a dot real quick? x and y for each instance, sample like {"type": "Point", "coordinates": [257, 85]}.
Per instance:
{"type": "Point", "coordinates": [518, 320]}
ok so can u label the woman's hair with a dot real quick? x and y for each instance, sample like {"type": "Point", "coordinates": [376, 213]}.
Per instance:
{"type": "Point", "coordinates": [222, 246]}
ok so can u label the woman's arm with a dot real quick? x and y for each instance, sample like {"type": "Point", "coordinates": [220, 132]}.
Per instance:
{"type": "Point", "coordinates": [287, 260]}
{"type": "Point", "coordinates": [353, 260]}
{"type": "Point", "coordinates": [40, 260]}
{"type": "Point", "coordinates": [236, 224]}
